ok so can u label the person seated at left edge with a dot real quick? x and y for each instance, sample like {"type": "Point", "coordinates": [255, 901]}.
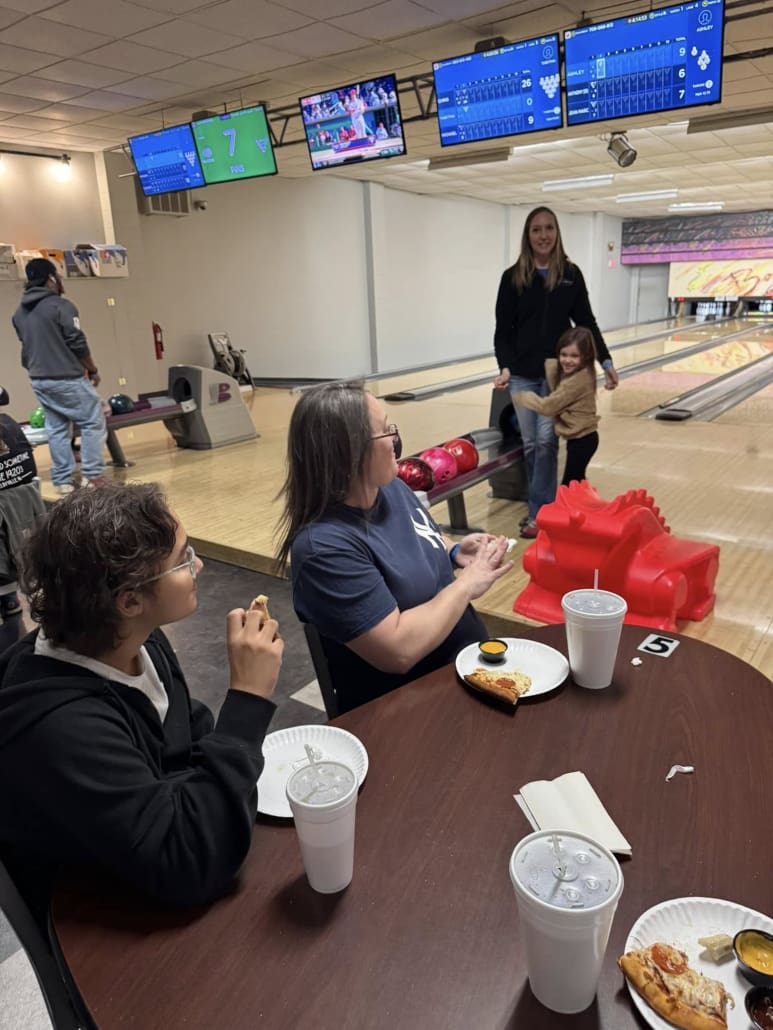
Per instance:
{"type": "Point", "coordinates": [105, 759]}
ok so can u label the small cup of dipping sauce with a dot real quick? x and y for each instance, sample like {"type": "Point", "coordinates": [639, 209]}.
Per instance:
{"type": "Point", "coordinates": [492, 651]}
{"type": "Point", "coordinates": [759, 1005]}
{"type": "Point", "coordinates": [754, 953]}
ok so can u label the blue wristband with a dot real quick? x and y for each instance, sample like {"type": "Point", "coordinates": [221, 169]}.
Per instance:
{"type": "Point", "coordinates": [606, 365]}
{"type": "Point", "coordinates": [452, 553]}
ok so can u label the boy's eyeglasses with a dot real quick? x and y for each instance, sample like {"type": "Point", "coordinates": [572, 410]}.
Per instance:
{"type": "Point", "coordinates": [189, 563]}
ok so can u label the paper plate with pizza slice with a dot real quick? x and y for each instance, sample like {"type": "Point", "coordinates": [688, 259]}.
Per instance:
{"type": "Point", "coordinates": [687, 924]}
{"type": "Point", "coordinates": [544, 667]}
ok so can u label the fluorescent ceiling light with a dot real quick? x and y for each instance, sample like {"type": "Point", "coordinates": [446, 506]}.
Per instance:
{"type": "Point", "coordinates": [634, 198]}
{"type": "Point", "coordinates": [475, 157]}
{"type": "Point", "coordinates": [581, 183]}
{"type": "Point", "coordinates": [709, 205]}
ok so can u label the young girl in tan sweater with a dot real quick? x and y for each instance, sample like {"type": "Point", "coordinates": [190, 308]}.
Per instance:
{"type": "Point", "coordinates": [571, 401]}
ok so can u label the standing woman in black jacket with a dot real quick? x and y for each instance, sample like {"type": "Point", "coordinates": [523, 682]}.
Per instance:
{"type": "Point", "coordinates": [541, 296]}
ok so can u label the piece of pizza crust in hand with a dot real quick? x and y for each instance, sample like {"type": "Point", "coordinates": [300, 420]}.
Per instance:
{"type": "Point", "coordinates": [688, 1000]}
{"type": "Point", "coordinates": [508, 686]}
{"type": "Point", "coordinates": [260, 603]}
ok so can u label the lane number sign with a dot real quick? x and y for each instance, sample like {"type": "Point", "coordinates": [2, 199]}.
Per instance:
{"type": "Point", "coordinates": [655, 644]}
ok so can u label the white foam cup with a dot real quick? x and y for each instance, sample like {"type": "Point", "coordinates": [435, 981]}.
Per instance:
{"type": "Point", "coordinates": [594, 621]}
{"type": "Point", "coordinates": [323, 800]}
{"type": "Point", "coordinates": [567, 887]}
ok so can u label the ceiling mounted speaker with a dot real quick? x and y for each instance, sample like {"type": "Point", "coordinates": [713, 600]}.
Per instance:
{"type": "Point", "coordinates": [620, 150]}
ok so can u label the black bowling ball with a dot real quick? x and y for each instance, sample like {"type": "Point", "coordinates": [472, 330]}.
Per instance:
{"type": "Point", "coordinates": [120, 404]}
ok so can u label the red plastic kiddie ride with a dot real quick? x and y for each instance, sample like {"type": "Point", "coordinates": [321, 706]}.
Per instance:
{"type": "Point", "coordinates": [662, 577]}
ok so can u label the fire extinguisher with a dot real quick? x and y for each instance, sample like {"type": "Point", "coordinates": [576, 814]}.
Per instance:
{"type": "Point", "coordinates": [158, 340]}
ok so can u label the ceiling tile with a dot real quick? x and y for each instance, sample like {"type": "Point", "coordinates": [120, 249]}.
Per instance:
{"type": "Point", "coordinates": [148, 88]}
{"type": "Point", "coordinates": [116, 18]}
{"type": "Point", "coordinates": [322, 9]}
{"type": "Point", "coordinates": [31, 121]}
{"type": "Point", "coordinates": [254, 57]}
{"type": "Point", "coordinates": [69, 113]}
{"type": "Point", "coordinates": [102, 100]}
{"type": "Point", "coordinates": [29, 6]}
{"type": "Point", "coordinates": [91, 131]}
{"type": "Point", "coordinates": [174, 6]}
{"type": "Point", "coordinates": [249, 19]}
{"type": "Point", "coordinates": [79, 73]}
{"type": "Point", "coordinates": [199, 73]}
{"type": "Point", "coordinates": [389, 20]}
{"type": "Point", "coordinates": [131, 57]}
{"type": "Point", "coordinates": [17, 59]}
{"type": "Point", "coordinates": [42, 89]}
{"type": "Point", "coordinates": [183, 37]}
{"type": "Point", "coordinates": [40, 33]}
{"type": "Point", "coordinates": [317, 39]}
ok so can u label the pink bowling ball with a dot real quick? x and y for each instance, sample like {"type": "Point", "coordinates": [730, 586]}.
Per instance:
{"type": "Point", "coordinates": [442, 463]}
{"type": "Point", "coordinates": [465, 452]}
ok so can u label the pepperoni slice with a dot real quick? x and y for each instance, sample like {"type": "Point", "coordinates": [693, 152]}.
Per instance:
{"type": "Point", "coordinates": [669, 959]}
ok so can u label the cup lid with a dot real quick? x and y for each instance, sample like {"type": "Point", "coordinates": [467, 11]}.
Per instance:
{"type": "Point", "coordinates": [594, 602]}
{"type": "Point", "coordinates": [323, 783]}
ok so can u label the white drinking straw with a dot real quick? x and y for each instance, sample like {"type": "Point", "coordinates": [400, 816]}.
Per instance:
{"type": "Point", "coordinates": [595, 579]}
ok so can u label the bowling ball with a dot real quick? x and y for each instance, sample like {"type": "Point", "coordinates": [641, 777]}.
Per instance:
{"type": "Point", "coordinates": [442, 463]}
{"type": "Point", "coordinates": [38, 418]}
{"type": "Point", "coordinates": [120, 404]}
{"type": "Point", "coordinates": [415, 473]}
{"type": "Point", "coordinates": [465, 452]}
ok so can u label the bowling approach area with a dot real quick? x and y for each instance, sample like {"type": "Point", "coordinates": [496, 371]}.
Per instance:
{"type": "Point", "coordinates": [712, 480]}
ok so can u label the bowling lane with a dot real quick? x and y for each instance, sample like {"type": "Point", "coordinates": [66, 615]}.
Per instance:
{"type": "Point", "coordinates": [394, 382]}
{"type": "Point", "coordinates": [678, 374]}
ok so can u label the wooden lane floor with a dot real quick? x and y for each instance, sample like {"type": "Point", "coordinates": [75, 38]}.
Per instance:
{"type": "Point", "coordinates": [710, 480]}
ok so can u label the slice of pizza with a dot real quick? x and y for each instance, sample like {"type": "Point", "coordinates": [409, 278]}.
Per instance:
{"type": "Point", "coordinates": [261, 604]}
{"type": "Point", "coordinates": [506, 685]}
{"type": "Point", "coordinates": [662, 976]}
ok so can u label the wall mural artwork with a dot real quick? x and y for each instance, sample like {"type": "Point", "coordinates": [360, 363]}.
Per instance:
{"type": "Point", "coordinates": [747, 235]}
{"type": "Point", "coordinates": [721, 279]}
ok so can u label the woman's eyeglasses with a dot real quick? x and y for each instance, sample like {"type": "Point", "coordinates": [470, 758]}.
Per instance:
{"type": "Point", "coordinates": [189, 563]}
{"type": "Point", "coordinates": [391, 430]}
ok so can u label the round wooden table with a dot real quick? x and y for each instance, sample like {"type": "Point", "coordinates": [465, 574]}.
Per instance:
{"type": "Point", "coordinates": [427, 934]}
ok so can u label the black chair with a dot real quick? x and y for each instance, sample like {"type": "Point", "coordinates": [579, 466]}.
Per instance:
{"type": "Point", "coordinates": [65, 1009]}
{"type": "Point", "coordinates": [322, 669]}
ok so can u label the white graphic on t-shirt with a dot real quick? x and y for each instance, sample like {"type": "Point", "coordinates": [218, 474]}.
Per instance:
{"type": "Point", "coordinates": [425, 529]}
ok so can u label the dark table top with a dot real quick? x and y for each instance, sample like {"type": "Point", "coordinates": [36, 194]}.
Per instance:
{"type": "Point", "coordinates": [426, 936]}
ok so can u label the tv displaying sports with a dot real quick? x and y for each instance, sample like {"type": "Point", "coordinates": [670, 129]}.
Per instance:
{"type": "Point", "coordinates": [236, 145]}
{"type": "Point", "coordinates": [655, 61]}
{"type": "Point", "coordinates": [166, 160]}
{"type": "Point", "coordinates": [358, 122]}
{"type": "Point", "coordinates": [502, 92]}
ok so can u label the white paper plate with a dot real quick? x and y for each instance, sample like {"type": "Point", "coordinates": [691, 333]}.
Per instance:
{"type": "Point", "coordinates": [680, 923]}
{"type": "Point", "coordinates": [546, 667]}
{"type": "Point", "coordinates": [284, 752]}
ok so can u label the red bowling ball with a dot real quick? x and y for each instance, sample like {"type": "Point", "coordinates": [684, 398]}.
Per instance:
{"type": "Point", "coordinates": [415, 473]}
{"type": "Point", "coordinates": [442, 463]}
{"type": "Point", "coordinates": [465, 452]}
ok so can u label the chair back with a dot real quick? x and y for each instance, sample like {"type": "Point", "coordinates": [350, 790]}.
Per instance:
{"type": "Point", "coordinates": [322, 669]}
{"type": "Point", "coordinates": [60, 1002]}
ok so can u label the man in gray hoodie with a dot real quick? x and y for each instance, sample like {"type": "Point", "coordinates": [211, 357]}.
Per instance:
{"type": "Point", "coordinates": [56, 355]}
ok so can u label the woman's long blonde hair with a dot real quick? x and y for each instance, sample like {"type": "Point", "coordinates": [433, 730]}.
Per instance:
{"type": "Point", "coordinates": [523, 269]}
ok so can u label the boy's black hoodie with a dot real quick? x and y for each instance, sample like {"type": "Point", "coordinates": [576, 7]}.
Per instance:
{"type": "Point", "coordinates": [92, 777]}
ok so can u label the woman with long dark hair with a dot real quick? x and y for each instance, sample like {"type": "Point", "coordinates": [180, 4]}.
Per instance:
{"type": "Point", "coordinates": [371, 570]}
{"type": "Point", "coordinates": [541, 296]}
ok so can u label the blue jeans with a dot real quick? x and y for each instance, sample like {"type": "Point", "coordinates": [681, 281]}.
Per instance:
{"type": "Point", "coordinates": [68, 401]}
{"type": "Point", "coordinates": [540, 446]}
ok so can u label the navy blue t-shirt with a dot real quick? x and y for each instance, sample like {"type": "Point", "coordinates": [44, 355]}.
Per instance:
{"type": "Point", "coordinates": [353, 568]}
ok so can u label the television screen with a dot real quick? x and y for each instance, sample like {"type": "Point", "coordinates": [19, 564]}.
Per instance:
{"type": "Point", "coordinates": [655, 61]}
{"type": "Point", "coordinates": [234, 146]}
{"type": "Point", "coordinates": [166, 160]}
{"type": "Point", "coordinates": [359, 122]}
{"type": "Point", "coordinates": [502, 92]}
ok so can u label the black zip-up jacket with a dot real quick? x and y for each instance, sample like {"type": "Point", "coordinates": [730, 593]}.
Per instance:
{"type": "Point", "coordinates": [91, 777]}
{"type": "Point", "coordinates": [53, 345]}
{"type": "Point", "coordinates": [529, 324]}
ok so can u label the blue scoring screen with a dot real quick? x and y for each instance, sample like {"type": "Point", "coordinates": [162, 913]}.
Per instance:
{"type": "Point", "coordinates": [167, 160]}
{"type": "Point", "coordinates": [500, 92]}
{"type": "Point", "coordinates": [656, 61]}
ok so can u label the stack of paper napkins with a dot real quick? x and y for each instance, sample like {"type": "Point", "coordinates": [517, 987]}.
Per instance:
{"type": "Point", "coordinates": [570, 803]}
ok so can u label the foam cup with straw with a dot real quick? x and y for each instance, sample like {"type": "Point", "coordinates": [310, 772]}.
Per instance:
{"type": "Point", "coordinates": [567, 887]}
{"type": "Point", "coordinates": [323, 799]}
{"type": "Point", "coordinates": [594, 621]}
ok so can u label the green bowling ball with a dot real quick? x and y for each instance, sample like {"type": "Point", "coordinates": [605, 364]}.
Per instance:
{"type": "Point", "coordinates": [38, 418]}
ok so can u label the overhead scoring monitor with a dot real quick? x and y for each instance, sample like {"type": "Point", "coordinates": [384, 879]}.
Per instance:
{"type": "Point", "coordinates": [502, 92]}
{"type": "Point", "coordinates": [655, 61]}
{"type": "Point", "coordinates": [166, 160]}
{"type": "Point", "coordinates": [236, 145]}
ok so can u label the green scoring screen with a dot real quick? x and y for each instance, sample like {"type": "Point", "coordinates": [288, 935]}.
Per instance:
{"type": "Point", "coordinates": [235, 145]}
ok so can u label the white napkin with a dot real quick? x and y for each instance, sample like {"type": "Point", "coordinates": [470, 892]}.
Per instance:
{"type": "Point", "coordinates": [570, 803]}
